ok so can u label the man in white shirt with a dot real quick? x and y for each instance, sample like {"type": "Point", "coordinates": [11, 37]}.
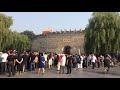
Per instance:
{"type": "Point", "coordinates": [93, 61]}
{"type": "Point", "coordinates": [62, 64]}
{"type": "Point", "coordinates": [3, 64]}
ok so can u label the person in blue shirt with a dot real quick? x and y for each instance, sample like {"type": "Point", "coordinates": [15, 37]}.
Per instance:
{"type": "Point", "coordinates": [41, 63]}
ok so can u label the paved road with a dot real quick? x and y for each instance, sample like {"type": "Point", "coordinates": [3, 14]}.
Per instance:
{"type": "Point", "coordinates": [81, 73]}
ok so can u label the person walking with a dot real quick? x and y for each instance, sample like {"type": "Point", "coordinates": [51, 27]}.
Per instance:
{"type": "Point", "coordinates": [106, 64]}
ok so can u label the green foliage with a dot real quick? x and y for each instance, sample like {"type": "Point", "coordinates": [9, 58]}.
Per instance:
{"type": "Point", "coordinates": [103, 33]}
{"type": "Point", "coordinates": [11, 40]}
{"type": "Point", "coordinates": [30, 34]}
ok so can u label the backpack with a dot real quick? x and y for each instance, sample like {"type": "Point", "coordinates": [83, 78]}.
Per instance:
{"type": "Point", "coordinates": [79, 60]}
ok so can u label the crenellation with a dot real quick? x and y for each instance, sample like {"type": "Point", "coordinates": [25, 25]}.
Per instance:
{"type": "Point", "coordinates": [56, 41]}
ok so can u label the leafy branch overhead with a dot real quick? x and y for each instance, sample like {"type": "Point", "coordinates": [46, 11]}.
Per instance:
{"type": "Point", "coordinates": [9, 39]}
{"type": "Point", "coordinates": [103, 33]}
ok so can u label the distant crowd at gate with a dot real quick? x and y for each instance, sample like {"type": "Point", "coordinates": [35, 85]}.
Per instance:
{"type": "Point", "coordinates": [15, 63]}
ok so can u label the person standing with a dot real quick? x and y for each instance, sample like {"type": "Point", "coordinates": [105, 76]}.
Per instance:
{"type": "Point", "coordinates": [3, 63]}
{"type": "Point", "coordinates": [98, 62]}
{"type": "Point", "coordinates": [78, 61]}
{"type": "Point", "coordinates": [25, 58]}
{"type": "Point", "coordinates": [81, 61]}
{"type": "Point", "coordinates": [93, 61]}
{"type": "Point", "coordinates": [69, 64]}
{"type": "Point", "coordinates": [45, 56]}
{"type": "Point", "coordinates": [59, 60]}
{"type": "Point", "coordinates": [41, 63]}
{"type": "Point", "coordinates": [19, 62]}
{"type": "Point", "coordinates": [11, 64]}
{"type": "Point", "coordinates": [32, 63]}
{"type": "Point", "coordinates": [50, 57]}
{"type": "Point", "coordinates": [62, 64]}
{"type": "Point", "coordinates": [74, 61]}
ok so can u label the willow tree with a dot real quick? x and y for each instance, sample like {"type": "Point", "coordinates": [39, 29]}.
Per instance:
{"type": "Point", "coordinates": [9, 39]}
{"type": "Point", "coordinates": [103, 33]}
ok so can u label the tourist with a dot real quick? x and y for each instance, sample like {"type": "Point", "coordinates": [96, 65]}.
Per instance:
{"type": "Point", "coordinates": [74, 61]}
{"type": "Point", "coordinates": [69, 64]}
{"type": "Point", "coordinates": [98, 62]}
{"type": "Point", "coordinates": [59, 60]}
{"type": "Point", "coordinates": [101, 60]}
{"type": "Point", "coordinates": [78, 61]}
{"type": "Point", "coordinates": [107, 64]}
{"type": "Point", "coordinates": [19, 62]}
{"type": "Point", "coordinates": [85, 61]}
{"type": "Point", "coordinates": [45, 56]}
{"type": "Point", "coordinates": [32, 63]}
{"type": "Point", "coordinates": [50, 61]}
{"type": "Point", "coordinates": [41, 63]}
{"type": "Point", "coordinates": [81, 63]}
{"type": "Point", "coordinates": [25, 58]}
{"type": "Point", "coordinates": [93, 61]}
{"type": "Point", "coordinates": [11, 64]}
{"type": "Point", "coordinates": [62, 64]}
{"type": "Point", "coordinates": [3, 63]}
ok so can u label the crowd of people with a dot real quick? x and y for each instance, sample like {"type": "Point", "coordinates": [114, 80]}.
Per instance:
{"type": "Point", "coordinates": [13, 62]}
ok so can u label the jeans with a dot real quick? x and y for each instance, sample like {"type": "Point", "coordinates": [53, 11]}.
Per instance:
{"type": "Point", "coordinates": [3, 67]}
{"type": "Point", "coordinates": [93, 65]}
{"type": "Point", "coordinates": [32, 65]}
{"type": "Point", "coordinates": [69, 69]}
{"type": "Point", "coordinates": [11, 68]}
{"type": "Point", "coordinates": [62, 68]}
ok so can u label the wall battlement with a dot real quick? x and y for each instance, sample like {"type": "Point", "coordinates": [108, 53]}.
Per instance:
{"type": "Point", "coordinates": [56, 41]}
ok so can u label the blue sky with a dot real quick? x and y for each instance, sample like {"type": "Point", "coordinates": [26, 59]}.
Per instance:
{"type": "Point", "coordinates": [39, 21]}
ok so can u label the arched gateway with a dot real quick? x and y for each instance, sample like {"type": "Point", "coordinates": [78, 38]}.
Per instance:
{"type": "Point", "coordinates": [67, 50]}
{"type": "Point", "coordinates": [59, 42]}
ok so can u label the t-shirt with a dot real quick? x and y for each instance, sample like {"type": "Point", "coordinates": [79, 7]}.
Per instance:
{"type": "Point", "coordinates": [4, 56]}
{"type": "Point", "coordinates": [25, 58]}
{"type": "Point", "coordinates": [11, 58]}
{"type": "Point", "coordinates": [69, 59]}
{"type": "Point", "coordinates": [93, 59]}
{"type": "Point", "coordinates": [63, 61]}
{"type": "Point", "coordinates": [107, 61]}
{"type": "Point", "coordinates": [19, 58]}
{"type": "Point", "coordinates": [32, 58]}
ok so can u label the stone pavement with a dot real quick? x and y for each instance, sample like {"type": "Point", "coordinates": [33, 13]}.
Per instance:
{"type": "Point", "coordinates": [81, 73]}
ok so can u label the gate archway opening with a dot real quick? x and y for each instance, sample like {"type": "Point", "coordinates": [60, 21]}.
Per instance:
{"type": "Point", "coordinates": [67, 50]}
